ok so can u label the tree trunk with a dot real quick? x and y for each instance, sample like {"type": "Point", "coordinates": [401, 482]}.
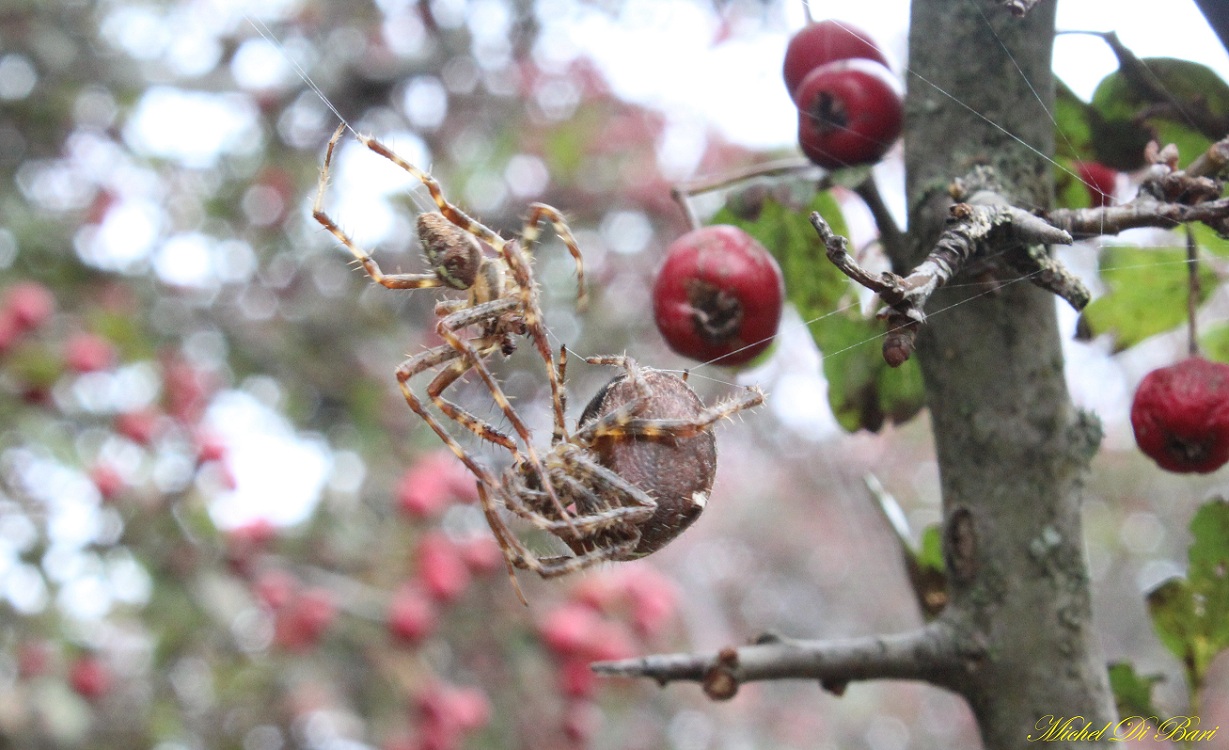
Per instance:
{"type": "Point", "coordinates": [1011, 448]}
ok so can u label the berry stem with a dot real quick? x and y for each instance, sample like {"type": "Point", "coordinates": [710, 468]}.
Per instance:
{"type": "Point", "coordinates": [806, 8]}
{"type": "Point", "coordinates": [1192, 298]}
{"type": "Point", "coordinates": [684, 191]}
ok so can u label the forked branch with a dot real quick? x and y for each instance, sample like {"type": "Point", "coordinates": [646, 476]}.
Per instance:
{"type": "Point", "coordinates": [932, 654]}
{"type": "Point", "coordinates": [984, 227]}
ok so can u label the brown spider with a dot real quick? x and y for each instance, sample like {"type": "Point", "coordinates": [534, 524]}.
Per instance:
{"type": "Point", "coordinates": [637, 471]}
{"type": "Point", "coordinates": [501, 303]}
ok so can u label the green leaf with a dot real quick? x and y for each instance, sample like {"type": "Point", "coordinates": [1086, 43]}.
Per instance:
{"type": "Point", "coordinates": [1147, 293]}
{"type": "Point", "coordinates": [1119, 132]}
{"type": "Point", "coordinates": [1191, 615]}
{"type": "Point", "coordinates": [1132, 691]}
{"type": "Point", "coordinates": [863, 390]}
{"type": "Point", "coordinates": [930, 556]}
{"type": "Point", "coordinates": [1071, 122]}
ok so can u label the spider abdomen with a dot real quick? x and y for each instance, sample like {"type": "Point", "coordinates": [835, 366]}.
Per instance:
{"type": "Point", "coordinates": [677, 472]}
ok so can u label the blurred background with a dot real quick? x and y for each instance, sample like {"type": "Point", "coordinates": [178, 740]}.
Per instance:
{"type": "Point", "coordinates": [221, 527]}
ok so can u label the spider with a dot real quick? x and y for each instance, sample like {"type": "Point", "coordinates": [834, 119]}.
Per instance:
{"type": "Point", "coordinates": [635, 474]}
{"type": "Point", "coordinates": [501, 303]}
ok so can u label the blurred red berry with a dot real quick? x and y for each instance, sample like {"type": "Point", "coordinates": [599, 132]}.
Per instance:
{"type": "Point", "coordinates": [654, 601]}
{"type": "Point", "coordinates": [1100, 181]}
{"type": "Point", "coordinates": [581, 720]}
{"type": "Point", "coordinates": [821, 43]}
{"type": "Point", "coordinates": [30, 304]}
{"type": "Point", "coordinates": [139, 426]}
{"type": "Point", "coordinates": [576, 679]}
{"type": "Point", "coordinates": [432, 483]}
{"type": "Point", "coordinates": [481, 555]}
{"type": "Point", "coordinates": [441, 569]}
{"type": "Point", "coordinates": [88, 352]}
{"type": "Point", "coordinates": [412, 616]}
{"type": "Point", "coordinates": [107, 480]}
{"type": "Point", "coordinates": [187, 388]}
{"type": "Point", "coordinates": [301, 624]}
{"type": "Point", "coordinates": [90, 677]}
{"type": "Point", "coordinates": [275, 588]}
{"type": "Point", "coordinates": [568, 629]}
{"type": "Point", "coordinates": [456, 710]}
{"type": "Point", "coordinates": [209, 447]}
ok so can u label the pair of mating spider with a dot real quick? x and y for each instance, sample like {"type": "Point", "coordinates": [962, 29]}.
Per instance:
{"type": "Point", "coordinates": [639, 466]}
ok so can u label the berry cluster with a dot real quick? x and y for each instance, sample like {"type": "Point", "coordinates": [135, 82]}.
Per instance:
{"type": "Point", "coordinates": [718, 296]}
{"type": "Point", "coordinates": [849, 106]}
{"type": "Point", "coordinates": [606, 616]}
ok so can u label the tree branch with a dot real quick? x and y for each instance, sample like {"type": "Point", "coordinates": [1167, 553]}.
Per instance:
{"type": "Point", "coordinates": [1167, 197]}
{"type": "Point", "coordinates": [933, 654]}
{"type": "Point", "coordinates": [978, 228]}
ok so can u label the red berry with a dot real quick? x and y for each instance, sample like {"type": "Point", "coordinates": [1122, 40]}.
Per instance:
{"type": "Point", "coordinates": [138, 426]}
{"type": "Point", "coordinates": [107, 480]}
{"type": "Point", "coordinates": [87, 352]}
{"type": "Point", "coordinates": [30, 303]}
{"type": "Point", "coordinates": [568, 630]}
{"type": "Point", "coordinates": [1181, 416]}
{"type": "Point", "coordinates": [718, 295]}
{"type": "Point", "coordinates": [301, 624]}
{"type": "Point", "coordinates": [432, 483]}
{"type": "Point", "coordinates": [1100, 181]}
{"type": "Point", "coordinates": [275, 588]}
{"type": "Point", "coordinates": [576, 679]}
{"type": "Point", "coordinates": [849, 113]}
{"type": "Point", "coordinates": [822, 43]}
{"type": "Point", "coordinates": [89, 677]}
{"type": "Point", "coordinates": [481, 555]}
{"type": "Point", "coordinates": [412, 616]}
{"type": "Point", "coordinates": [441, 569]}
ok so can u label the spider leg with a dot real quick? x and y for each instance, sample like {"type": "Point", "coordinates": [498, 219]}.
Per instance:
{"type": "Point", "coordinates": [513, 551]}
{"type": "Point", "coordinates": [448, 328]}
{"type": "Point", "coordinates": [450, 211]}
{"type": "Point", "coordinates": [539, 212]}
{"type": "Point", "coordinates": [457, 367]}
{"type": "Point", "coordinates": [390, 281]}
{"type": "Point", "coordinates": [531, 313]}
{"type": "Point", "coordinates": [620, 424]}
{"type": "Point", "coordinates": [589, 485]}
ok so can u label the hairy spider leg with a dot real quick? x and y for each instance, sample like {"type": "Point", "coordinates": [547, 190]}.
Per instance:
{"type": "Point", "coordinates": [531, 312]}
{"type": "Point", "coordinates": [584, 481]}
{"type": "Point", "coordinates": [539, 212]}
{"type": "Point", "coordinates": [457, 367]}
{"type": "Point", "coordinates": [447, 328]}
{"type": "Point", "coordinates": [509, 545]}
{"type": "Point", "coordinates": [622, 422]}
{"type": "Point", "coordinates": [390, 281]}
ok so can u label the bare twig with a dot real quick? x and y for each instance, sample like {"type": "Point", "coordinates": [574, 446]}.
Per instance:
{"type": "Point", "coordinates": [983, 223]}
{"type": "Point", "coordinates": [683, 192]}
{"type": "Point", "coordinates": [933, 654]}
{"type": "Point", "coordinates": [1141, 212]}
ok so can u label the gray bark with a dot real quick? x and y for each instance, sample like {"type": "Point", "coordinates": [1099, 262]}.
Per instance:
{"type": "Point", "coordinates": [1011, 448]}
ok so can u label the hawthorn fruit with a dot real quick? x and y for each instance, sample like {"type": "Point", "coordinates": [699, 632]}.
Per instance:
{"type": "Point", "coordinates": [824, 42]}
{"type": "Point", "coordinates": [718, 296]}
{"type": "Point", "coordinates": [849, 113]}
{"type": "Point", "coordinates": [1181, 416]}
